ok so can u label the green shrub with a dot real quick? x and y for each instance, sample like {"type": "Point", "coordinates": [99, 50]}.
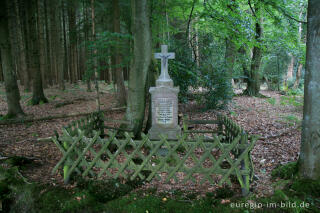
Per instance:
{"type": "Point", "coordinates": [307, 187]}
{"type": "Point", "coordinates": [291, 100]}
{"type": "Point", "coordinates": [285, 171]}
{"type": "Point", "coordinates": [272, 101]}
{"type": "Point", "coordinates": [217, 86]}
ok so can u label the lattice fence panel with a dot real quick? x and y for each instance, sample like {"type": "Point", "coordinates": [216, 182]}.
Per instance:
{"type": "Point", "coordinates": [130, 159]}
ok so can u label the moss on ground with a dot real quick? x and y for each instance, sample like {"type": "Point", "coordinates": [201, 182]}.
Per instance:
{"type": "Point", "coordinates": [287, 171]}
{"type": "Point", "coordinates": [17, 195]}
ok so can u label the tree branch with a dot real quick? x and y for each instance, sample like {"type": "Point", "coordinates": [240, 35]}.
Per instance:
{"type": "Point", "coordinates": [190, 17]}
{"type": "Point", "coordinates": [251, 8]}
{"type": "Point", "coordinates": [280, 9]}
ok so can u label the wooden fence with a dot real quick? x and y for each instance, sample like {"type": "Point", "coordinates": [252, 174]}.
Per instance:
{"type": "Point", "coordinates": [86, 153]}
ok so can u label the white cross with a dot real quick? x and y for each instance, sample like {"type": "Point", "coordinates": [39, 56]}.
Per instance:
{"type": "Point", "coordinates": [164, 56]}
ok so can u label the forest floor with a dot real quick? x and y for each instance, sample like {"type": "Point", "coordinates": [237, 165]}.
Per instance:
{"type": "Point", "coordinates": [276, 120]}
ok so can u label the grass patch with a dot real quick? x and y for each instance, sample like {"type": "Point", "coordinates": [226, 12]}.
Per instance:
{"type": "Point", "coordinates": [291, 101]}
{"type": "Point", "coordinates": [291, 120]}
{"type": "Point", "coordinates": [272, 101]}
{"type": "Point", "coordinates": [286, 171]}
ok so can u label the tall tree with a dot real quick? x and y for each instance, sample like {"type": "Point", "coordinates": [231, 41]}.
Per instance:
{"type": "Point", "coordinates": [73, 63]}
{"type": "Point", "coordinates": [64, 73]}
{"type": "Point", "coordinates": [95, 62]}
{"type": "Point", "coordinates": [11, 86]}
{"type": "Point", "coordinates": [22, 50]}
{"type": "Point", "coordinates": [309, 166]}
{"type": "Point", "coordinates": [48, 44]}
{"type": "Point", "coordinates": [116, 58]}
{"type": "Point", "coordinates": [42, 42]}
{"type": "Point", "coordinates": [298, 76]}
{"type": "Point", "coordinates": [290, 69]}
{"type": "Point", "coordinates": [298, 73]}
{"type": "Point", "coordinates": [60, 48]}
{"type": "Point", "coordinates": [140, 64]}
{"type": "Point", "coordinates": [253, 87]}
{"type": "Point", "coordinates": [37, 87]}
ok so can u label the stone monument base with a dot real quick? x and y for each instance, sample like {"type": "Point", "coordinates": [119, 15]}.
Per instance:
{"type": "Point", "coordinates": [169, 133]}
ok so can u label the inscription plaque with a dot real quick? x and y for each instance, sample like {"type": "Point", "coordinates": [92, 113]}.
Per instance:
{"type": "Point", "coordinates": [164, 111]}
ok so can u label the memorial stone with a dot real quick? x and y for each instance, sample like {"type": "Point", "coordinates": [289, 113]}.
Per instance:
{"type": "Point", "coordinates": [164, 101]}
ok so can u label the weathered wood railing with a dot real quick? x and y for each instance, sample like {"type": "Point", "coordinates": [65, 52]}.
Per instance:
{"type": "Point", "coordinates": [93, 121]}
{"type": "Point", "coordinates": [228, 130]}
{"type": "Point", "coordinates": [90, 155]}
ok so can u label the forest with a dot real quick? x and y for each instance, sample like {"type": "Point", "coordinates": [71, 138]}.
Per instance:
{"type": "Point", "coordinates": [160, 106]}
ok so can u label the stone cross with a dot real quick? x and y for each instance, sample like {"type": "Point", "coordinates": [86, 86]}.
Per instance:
{"type": "Point", "coordinates": [164, 56]}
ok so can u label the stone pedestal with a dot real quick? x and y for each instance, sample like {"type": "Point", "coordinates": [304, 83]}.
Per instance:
{"type": "Point", "coordinates": [164, 100]}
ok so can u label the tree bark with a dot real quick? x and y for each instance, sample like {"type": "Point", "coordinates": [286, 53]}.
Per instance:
{"type": "Point", "coordinates": [253, 87]}
{"type": "Point", "coordinates": [96, 74]}
{"type": "Point", "coordinates": [60, 50]}
{"type": "Point", "coordinates": [86, 39]}
{"type": "Point", "coordinates": [64, 75]}
{"type": "Point", "coordinates": [290, 70]}
{"type": "Point", "coordinates": [12, 21]}
{"type": "Point", "coordinates": [37, 88]}
{"type": "Point", "coordinates": [298, 77]}
{"type": "Point", "coordinates": [1, 72]}
{"type": "Point", "coordinates": [151, 82]}
{"type": "Point", "coordinates": [11, 86]}
{"type": "Point", "coordinates": [42, 44]}
{"type": "Point", "coordinates": [73, 63]}
{"type": "Point", "coordinates": [56, 42]}
{"type": "Point", "coordinates": [140, 64]}
{"type": "Point", "coordinates": [48, 45]}
{"type": "Point", "coordinates": [230, 58]}
{"type": "Point", "coordinates": [309, 166]}
{"type": "Point", "coordinates": [121, 90]}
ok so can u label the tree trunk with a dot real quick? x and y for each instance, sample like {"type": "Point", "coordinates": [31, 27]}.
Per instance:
{"type": "Point", "coordinates": [1, 72]}
{"type": "Point", "coordinates": [65, 49]}
{"type": "Point", "coordinates": [151, 82]}
{"type": "Point", "coordinates": [230, 57]}
{"type": "Point", "coordinates": [140, 64]}
{"type": "Point", "coordinates": [48, 45]}
{"type": "Point", "coordinates": [253, 87]}
{"type": "Point", "coordinates": [22, 51]}
{"type": "Point", "coordinates": [86, 39]}
{"type": "Point", "coordinates": [13, 38]}
{"type": "Point", "coordinates": [11, 86]}
{"type": "Point", "coordinates": [28, 43]}
{"type": "Point", "coordinates": [121, 90]}
{"type": "Point", "coordinates": [73, 41]}
{"type": "Point", "coordinates": [37, 89]}
{"type": "Point", "coordinates": [95, 63]}
{"type": "Point", "coordinates": [53, 39]}
{"type": "Point", "coordinates": [60, 50]}
{"type": "Point", "coordinates": [298, 76]}
{"type": "Point", "coordinates": [309, 166]}
{"type": "Point", "coordinates": [42, 44]}
{"type": "Point", "coordinates": [290, 70]}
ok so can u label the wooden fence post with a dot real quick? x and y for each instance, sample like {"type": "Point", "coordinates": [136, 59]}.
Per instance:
{"type": "Point", "coordinates": [245, 165]}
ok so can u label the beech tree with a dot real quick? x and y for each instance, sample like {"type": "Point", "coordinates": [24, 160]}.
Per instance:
{"type": "Point", "coordinates": [309, 166]}
{"type": "Point", "coordinates": [116, 58]}
{"type": "Point", "coordinates": [11, 87]}
{"type": "Point", "coordinates": [253, 87]}
{"type": "Point", "coordinates": [141, 60]}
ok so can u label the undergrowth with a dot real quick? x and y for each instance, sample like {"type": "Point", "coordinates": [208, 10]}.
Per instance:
{"type": "Point", "coordinates": [17, 195]}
